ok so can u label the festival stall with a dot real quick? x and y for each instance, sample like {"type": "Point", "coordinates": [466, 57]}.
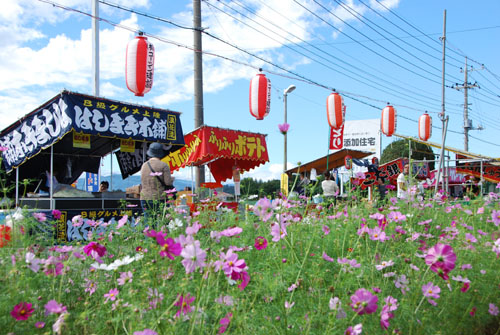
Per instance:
{"type": "Point", "coordinates": [68, 135]}
{"type": "Point", "coordinates": [226, 152]}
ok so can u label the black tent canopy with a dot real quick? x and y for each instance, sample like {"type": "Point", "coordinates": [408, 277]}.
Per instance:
{"type": "Point", "coordinates": [52, 136]}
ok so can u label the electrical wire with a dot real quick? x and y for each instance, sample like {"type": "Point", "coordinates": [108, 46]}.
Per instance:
{"type": "Point", "coordinates": [364, 20]}
{"type": "Point", "coordinates": [373, 85]}
{"type": "Point", "coordinates": [294, 75]}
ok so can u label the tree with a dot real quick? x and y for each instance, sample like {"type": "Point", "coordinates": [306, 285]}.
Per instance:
{"type": "Point", "coordinates": [400, 149]}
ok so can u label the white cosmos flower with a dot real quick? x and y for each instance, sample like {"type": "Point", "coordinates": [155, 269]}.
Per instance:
{"type": "Point", "coordinates": [116, 264]}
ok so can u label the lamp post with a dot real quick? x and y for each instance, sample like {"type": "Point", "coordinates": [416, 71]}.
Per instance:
{"type": "Point", "coordinates": [285, 93]}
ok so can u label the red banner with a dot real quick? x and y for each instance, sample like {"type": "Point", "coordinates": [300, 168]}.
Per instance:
{"type": "Point", "coordinates": [490, 172]}
{"type": "Point", "coordinates": [337, 138]}
{"type": "Point", "coordinates": [222, 150]}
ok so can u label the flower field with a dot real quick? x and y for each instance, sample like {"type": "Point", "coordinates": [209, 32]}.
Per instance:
{"type": "Point", "coordinates": [282, 267]}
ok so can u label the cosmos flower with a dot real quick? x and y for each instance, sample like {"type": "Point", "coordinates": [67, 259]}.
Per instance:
{"type": "Point", "coordinates": [364, 302]}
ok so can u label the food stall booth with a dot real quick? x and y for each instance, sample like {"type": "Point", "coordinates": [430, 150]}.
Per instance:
{"type": "Point", "coordinates": [68, 135]}
{"type": "Point", "coordinates": [226, 152]}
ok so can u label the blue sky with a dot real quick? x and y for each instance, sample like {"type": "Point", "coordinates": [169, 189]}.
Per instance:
{"type": "Point", "coordinates": [390, 52]}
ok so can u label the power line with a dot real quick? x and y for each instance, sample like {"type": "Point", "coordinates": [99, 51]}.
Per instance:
{"type": "Point", "coordinates": [373, 85]}
{"type": "Point", "coordinates": [295, 76]}
{"type": "Point", "coordinates": [359, 16]}
{"type": "Point", "coordinates": [371, 40]}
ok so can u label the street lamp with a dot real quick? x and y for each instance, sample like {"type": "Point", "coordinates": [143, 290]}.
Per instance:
{"type": "Point", "coordinates": [285, 93]}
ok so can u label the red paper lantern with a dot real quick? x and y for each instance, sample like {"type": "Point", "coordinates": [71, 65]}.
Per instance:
{"type": "Point", "coordinates": [348, 162]}
{"type": "Point", "coordinates": [139, 65]}
{"type": "Point", "coordinates": [260, 96]}
{"type": "Point", "coordinates": [424, 127]}
{"type": "Point", "coordinates": [335, 110]}
{"type": "Point", "coordinates": [388, 120]}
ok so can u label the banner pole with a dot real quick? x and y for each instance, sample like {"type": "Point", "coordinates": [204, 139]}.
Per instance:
{"type": "Point", "coordinates": [328, 151]}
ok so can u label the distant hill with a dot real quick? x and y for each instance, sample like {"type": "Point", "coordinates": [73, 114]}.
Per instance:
{"type": "Point", "coordinates": [118, 184]}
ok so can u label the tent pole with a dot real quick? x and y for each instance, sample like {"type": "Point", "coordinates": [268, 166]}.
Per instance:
{"type": "Point", "coordinates": [111, 178]}
{"type": "Point", "coordinates": [51, 199]}
{"type": "Point", "coordinates": [17, 187]}
{"type": "Point", "coordinates": [328, 151]}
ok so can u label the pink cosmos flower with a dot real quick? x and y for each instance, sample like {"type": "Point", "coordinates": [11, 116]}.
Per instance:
{"type": "Point", "coordinates": [493, 309]}
{"type": "Point", "coordinates": [169, 248]}
{"type": "Point", "coordinates": [465, 287]}
{"type": "Point", "coordinates": [289, 305]}
{"type": "Point", "coordinates": [278, 231]}
{"type": "Point", "coordinates": [442, 259]}
{"type": "Point", "coordinates": [77, 220]}
{"type": "Point", "coordinates": [125, 277]}
{"type": "Point", "coordinates": [232, 263]}
{"type": "Point", "coordinates": [356, 330]}
{"type": "Point", "coordinates": [430, 290]}
{"type": "Point", "coordinates": [244, 277]}
{"type": "Point", "coordinates": [53, 266]}
{"type": "Point", "coordinates": [327, 258]}
{"type": "Point", "coordinates": [224, 323]}
{"type": "Point", "coordinates": [260, 243]}
{"type": "Point", "coordinates": [470, 238]}
{"type": "Point", "coordinates": [40, 217]}
{"type": "Point", "coordinates": [326, 229]}
{"type": "Point", "coordinates": [193, 229]}
{"type": "Point", "coordinates": [90, 286]}
{"type": "Point", "coordinates": [396, 217]}
{"type": "Point", "coordinates": [283, 128]}
{"type": "Point", "coordinates": [376, 234]}
{"type": "Point", "coordinates": [52, 307]}
{"type": "Point", "coordinates": [194, 257]}
{"type": "Point", "coordinates": [233, 231]}
{"type": "Point", "coordinates": [184, 302]}
{"type": "Point", "coordinates": [263, 209]}
{"type": "Point", "coordinates": [495, 217]}
{"type": "Point", "coordinates": [384, 264]}
{"type": "Point", "coordinates": [364, 302]}
{"type": "Point", "coordinates": [39, 324]}
{"type": "Point", "coordinates": [154, 174]}
{"type": "Point", "coordinates": [22, 311]}
{"type": "Point", "coordinates": [56, 214]}
{"type": "Point", "coordinates": [122, 222]}
{"type": "Point", "coordinates": [94, 250]}
{"type": "Point", "coordinates": [146, 331]}
{"type": "Point", "coordinates": [111, 295]}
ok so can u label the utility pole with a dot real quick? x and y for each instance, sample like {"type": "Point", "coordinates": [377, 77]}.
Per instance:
{"type": "Point", "coordinates": [466, 85]}
{"type": "Point", "coordinates": [198, 82]}
{"type": "Point", "coordinates": [95, 46]}
{"type": "Point", "coordinates": [442, 116]}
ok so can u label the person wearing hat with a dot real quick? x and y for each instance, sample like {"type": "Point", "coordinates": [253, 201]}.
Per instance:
{"type": "Point", "coordinates": [155, 177]}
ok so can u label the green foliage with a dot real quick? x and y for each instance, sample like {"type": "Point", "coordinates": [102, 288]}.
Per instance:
{"type": "Point", "coordinates": [249, 186]}
{"type": "Point", "coordinates": [301, 268]}
{"type": "Point", "coordinates": [400, 149]}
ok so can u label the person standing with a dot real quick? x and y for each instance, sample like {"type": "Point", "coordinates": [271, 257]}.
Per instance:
{"type": "Point", "coordinates": [104, 186]}
{"type": "Point", "coordinates": [155, 177]}
{"type": "Point", "coordinates": [329, 186]}
{"type": "Point", "coordinates": [403, 183]}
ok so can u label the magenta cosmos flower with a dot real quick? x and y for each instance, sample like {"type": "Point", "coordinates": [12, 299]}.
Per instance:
{"type": "Point", "coordinates": [441, 259]}
{"type": "Point", "coordinates": [94, 250]}
{"type": "Point", "coordinates": [364, 302]}
{"type": "Point", "coordinates": [168, 247]}
{"type": "Point", "coordinates": [184, 302]}
{"type": "Point", "coordinates": [283, 128]}
{"type": "Point", "coordinates": [22, 311]}
{"type": "Point", "coordinates": [430, 290]}
{"type": "Point", "coordinates": [111, 295]}
{"type": "Point", "coordinates": [260, 243]}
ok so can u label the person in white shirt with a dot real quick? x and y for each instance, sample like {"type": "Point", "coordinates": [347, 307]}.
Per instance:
{"type": "Point", "coordinates": [329, 186]}
{"type": "Point", "coordinates": [403, 183]}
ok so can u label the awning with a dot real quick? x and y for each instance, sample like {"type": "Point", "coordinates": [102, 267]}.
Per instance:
{"type": "Point", "coordinates": [335, 160]}
{"type": "Point", "coordinates": [81, 129]}
{"type": "Point", "coordinates": [456, 151]}
{"type": "Point", "coordinates": [221, 149]}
